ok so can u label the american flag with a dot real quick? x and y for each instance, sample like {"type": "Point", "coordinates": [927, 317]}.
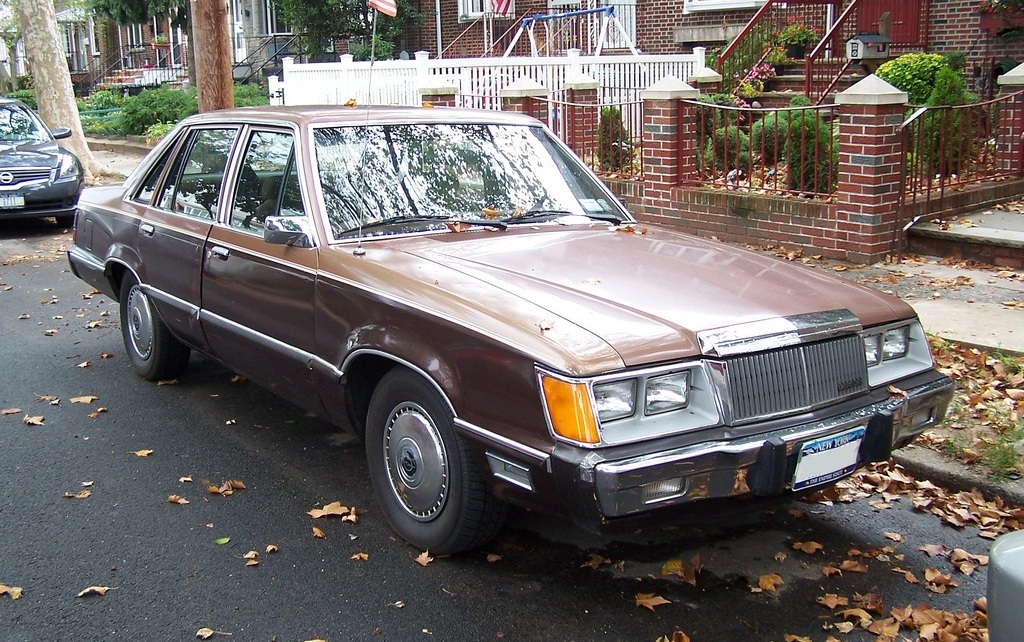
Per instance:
{"type": "Point", "coordinates": [387, 7]}
{"type": "Point", "coordinates": [501, 7]}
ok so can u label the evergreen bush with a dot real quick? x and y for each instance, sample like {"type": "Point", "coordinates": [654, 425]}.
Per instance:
{"type": "Point", "coordinates": [154, 106]}
{"type": "Point", "coordinates": [614, 149]}
{"type": "Point", "coordinates": [728, 149]}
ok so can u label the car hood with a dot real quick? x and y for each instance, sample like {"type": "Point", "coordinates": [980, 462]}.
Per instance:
{"type": "Point", "coordinates": [36, 154]}
{"type": "Point", "coordinates": [645, 295]}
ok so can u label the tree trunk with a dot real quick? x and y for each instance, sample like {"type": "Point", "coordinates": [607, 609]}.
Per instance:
{"type": "Point", "coordinates": [52, 79]}
{"type": "Point", "coordinates": [213, 54]}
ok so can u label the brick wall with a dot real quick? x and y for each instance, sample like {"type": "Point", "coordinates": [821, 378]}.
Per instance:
{"type": "Point", "coordinates": [954, 26]}
{"type": "Point", "coordinates": [658, 20]}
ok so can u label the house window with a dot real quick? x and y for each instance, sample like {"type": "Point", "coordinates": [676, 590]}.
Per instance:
{"type": "Point", "coordinates": [694, 6]}
{"type": "Point", "coordinates": [273, 20]}
{"type": "Point", "coordinates": [135, 32]}
{"type": "Point", "coordinates": [625, 12]}
{"type": "Point", "coordinates": [473, 9]}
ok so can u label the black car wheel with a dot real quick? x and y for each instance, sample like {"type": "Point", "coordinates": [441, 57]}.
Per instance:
{"type": "Point", "coordinates": [154, 352]}
{"type": "Point", "coordinates": [432, 493]}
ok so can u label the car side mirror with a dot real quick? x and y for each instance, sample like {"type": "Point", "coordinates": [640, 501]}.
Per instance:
{"type": "Point", "coordinates": [287, 230]}
{"type": "Point", "coordinates": [61, 132]}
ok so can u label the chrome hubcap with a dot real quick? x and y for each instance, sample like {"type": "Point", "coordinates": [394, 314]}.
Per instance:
{"type": "Point", "coordinates": [417, 462]}
{"type": "Point", "coordinates": [140, 322]}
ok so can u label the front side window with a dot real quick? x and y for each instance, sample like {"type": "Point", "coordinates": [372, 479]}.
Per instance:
{"type": "Point", "coordinates": [261, 181]}
{"type": "Point", "coordinates": [194, 183]}
{"type": "Point", "coordinates": [18, 125]}
{"type": "Point", "coordinates": [389, 179]}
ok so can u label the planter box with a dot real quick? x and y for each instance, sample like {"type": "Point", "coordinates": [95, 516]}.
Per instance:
{"type": "Point", "coordinates": [995, 22]}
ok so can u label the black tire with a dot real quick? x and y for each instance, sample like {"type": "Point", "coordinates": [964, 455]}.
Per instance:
{"type": "Point", "coordinates": [65, 221]}
{"type": "Point", "coordinates": [154, 352]}
{"type": "Point", "coordinates": [431, 492]}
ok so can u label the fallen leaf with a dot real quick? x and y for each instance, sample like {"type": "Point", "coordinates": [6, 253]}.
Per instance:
{"type": "Point", "coordinates": [831, 601]}
{"type": "Point", "coordinates": [334, 508]}
{"type": "Point", "coordinates": [769, 582]}
{"type": "Point", "coordinates": [362, 557]}
{"type": "Point", "coordinates": [220, 541]}
{"type": "Point", "coordinates": [253, 563]}
{"type": "Point", "coordinates": [934, 550]}
{"type": "Point", "coordinates": [206, 633]}
{"type": "Point", "coordinates": [84, 364]}
{"type": "Point", "coordinates": [650, 600]}
{"type": "Point", "coordinates": [185, 479]}
{"type": "Point", "coordinates": [251, 555]}
{"type": "Point", "coordinates": [796, 638]}
{"type": "Point", "coordinates": [142, 453]}
{"type": "Point", "coordinates": [14, 591]}
{"type": "Point", "coordinates": [176, 499]}
{"type": "Point", "coordinates": [595, 561]}
{"type": "Point", "coordinates": [829, 571]}
{"type": "Point", "coordinates": [493, 557]}
{"type": "Point", "coordinates": [424, 558]}
{"type": "Point", "coordinates": [319, 534]}
{"type": "Point", "coordinates": [97, 412]}
{"type": "Point", "coordinates": [82, 494]}
{"type": "Point", "coordinates": [808, 547]}
{"type": "Point", "coordinates": [853, 566]}
{"type": "Point", "coordinates": [167, 382]}
{"type": "Point", "coordinates": [10, 411]}
{"type": "Point", "coordinates": [87, 483]}
{"type": "Point", "coordinates": [272, 548]}
{"type": "Point", "coordinates": [862, 617]}
{"type": "Point", "coordinates": [34, 421]}
{"type": "Point", "coordinates": [84, 399]}
{"type": "Point", "coordinates": [896, 537]}
{"type": "Point", "coordinates": [95, 590]}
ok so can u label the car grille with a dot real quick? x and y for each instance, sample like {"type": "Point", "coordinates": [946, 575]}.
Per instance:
{"type": "Point", "coordinates": [23, 175]}
{"type": "Point", "coordinates": [796, 378]}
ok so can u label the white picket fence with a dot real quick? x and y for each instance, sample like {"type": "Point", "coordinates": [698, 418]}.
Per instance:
{"type": "Point", "coordinates": [397, 82]}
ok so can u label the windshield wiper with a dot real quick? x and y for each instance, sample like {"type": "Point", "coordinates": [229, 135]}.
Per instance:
{"type": "Point", "coordinates": [451, 223]}
{"type": "Point", "coordinates": [537, 216]}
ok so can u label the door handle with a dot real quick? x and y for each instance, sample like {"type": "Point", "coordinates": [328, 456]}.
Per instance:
{"type": "Point", "coordinates": [221, 253]}
{"type": "Point", "coordinates": [147, 230]}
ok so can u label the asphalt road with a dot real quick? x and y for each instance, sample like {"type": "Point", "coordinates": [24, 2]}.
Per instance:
{"type": "Point", "coordinates": [169, 577]}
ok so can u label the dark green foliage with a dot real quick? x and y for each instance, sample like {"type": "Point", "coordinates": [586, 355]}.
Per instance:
{"type": "Point", "coordinates": [382, 51]}
{"type": "Point", "coordinates": [768, 135]}
{"type": "Point", "coordinates": [614, 150]}
{"type": "Point", "coordinates": [913, 73]}
{"type": "Point", "coordinates": [711, 118]}
{"type": "Point", "coordinates": [24, 81]}
{"type": "Point", "coordinates": [141, 11]}
{"type": "Point", "coordinates": [324, 22]}
{"type": "Point", "coordinates": [812, 155]}
{"type": "Point", "coordinates": [800, 101]}
{"type": "Point", "coordinates": [728, 149]}
{"type": "Point", "coordinates": [156, 106]}
{"type": "Point", "coordinates": [104, 99]}
{"type": "Point", "coordinates": [27, 96]}
{"type": "Point", "coordinates": [251, 95]}
{"type": "Point", "coordinates": [947, 143]}
{"type": "Point", "coordinates": [955, 60]}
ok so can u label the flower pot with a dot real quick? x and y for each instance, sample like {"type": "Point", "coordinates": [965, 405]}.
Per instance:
{"type": "Point", "coordinates": [795, 51]}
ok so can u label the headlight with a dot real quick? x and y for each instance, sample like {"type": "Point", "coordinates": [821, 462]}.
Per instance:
{"type": "Point", "coordinates": [615, 400]}
{"type": "Point", "coordinates": [873, 349]}
{"type": "Point", "coordinates": [895, 343]}
{"type": "Point", "coordinates": [68, 166]}
{"type": "Point", "coordinates": [666, 393]}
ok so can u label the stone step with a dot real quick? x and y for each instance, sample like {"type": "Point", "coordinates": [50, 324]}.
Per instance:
{"type": "Point", "coordinates": [991, 236]}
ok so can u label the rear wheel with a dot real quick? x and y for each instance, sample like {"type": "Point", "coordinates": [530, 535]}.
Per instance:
{"type": "Point", "coordinates": [431, 491]}
{"type": "Point", "coordinates": [154, 352]}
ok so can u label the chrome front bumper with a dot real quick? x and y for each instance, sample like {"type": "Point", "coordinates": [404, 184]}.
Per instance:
{"type": "Point", "coordinates": [760, 465]}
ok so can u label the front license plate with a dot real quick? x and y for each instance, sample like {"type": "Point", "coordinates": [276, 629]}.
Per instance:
{"type": "Point", "coordinates": [827, 459]}
{"type": "Point", "coordinates": [8, 201]}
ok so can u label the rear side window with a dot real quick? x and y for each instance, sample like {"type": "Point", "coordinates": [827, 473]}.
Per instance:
{"type": "Point", "coordinates": [193, 187]}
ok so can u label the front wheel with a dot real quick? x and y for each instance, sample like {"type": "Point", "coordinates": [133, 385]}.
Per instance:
{"type": "Point", "coordinates": [431, 491]}
{"type": "Point", "coordinates": [154, 352]}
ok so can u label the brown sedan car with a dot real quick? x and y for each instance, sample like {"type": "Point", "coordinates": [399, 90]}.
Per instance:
{"type": "Point", "coordinates": [460, 290]}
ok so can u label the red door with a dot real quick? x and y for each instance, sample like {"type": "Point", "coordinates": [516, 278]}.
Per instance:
{"type": "Point", "coordinates": [908, 26]}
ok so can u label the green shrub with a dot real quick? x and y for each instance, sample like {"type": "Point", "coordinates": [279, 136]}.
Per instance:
{"type": "Point", "coordinates": [711, 118]}
{"type": "Point", "coordinates": [768, 135]}
{"type": "Point", "coordinates": [812, 152]}
{"type": "Point", "coordinates": [27, 96]}
{"type": "Point", "coordinates": [614, 149]}
{"type": "Point", "coordinates": [728, 149]}
{"type": "Point", "coordinates": [25, 81]}
{"type": "Point", "coordinates": [104, 99]}
{"type": "Point", "coordinates": [251, 95]}
{"type": "Point", "coordinates": [913, 73]}
{"type": "Point", "coordinates": [157, 131]}
{"type": "Point", "coordinates": [955, 60]}
{"type": "Point", "coordinates": [947, 143]}
{"type": "Point", "coordinates": [154, 106]}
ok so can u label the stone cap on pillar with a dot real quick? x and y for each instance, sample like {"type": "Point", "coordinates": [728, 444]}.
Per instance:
{"type": "Point", "coordinates": [704, 76]}
{"type": "Point", "coordinates": [1013, 78]}
{"type": "Point", "coordinates": [872, 91]}
{"type": "Point", "coordinates": [523, 87]}
{"type": "Point", "coordinates": [669, 88]}
{"type": "Point", "coordinates": [581, 82]}
{"type": "Point", "coordinates": [438, 87]}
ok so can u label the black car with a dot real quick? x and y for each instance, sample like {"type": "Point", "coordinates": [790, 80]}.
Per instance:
{"type": "Point", "coordinates": [37, 177]}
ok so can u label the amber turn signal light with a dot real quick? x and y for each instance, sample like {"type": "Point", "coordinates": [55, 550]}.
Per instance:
{"type": "Point", "coordinates": [570, 410]}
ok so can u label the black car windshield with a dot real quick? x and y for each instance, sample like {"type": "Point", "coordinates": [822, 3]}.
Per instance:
{"type": "Point", "coordinates": [390, 179]}
{"type": "Point", "coordinates": [18, 125]}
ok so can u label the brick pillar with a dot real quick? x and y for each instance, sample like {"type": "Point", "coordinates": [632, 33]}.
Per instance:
{"type": "Point", "coordinates": [439, 94]}
{"type": "Point", "coordinates": [870, 114]}
{"type": "Point", "coordinates": [707, 80]}
{"type": "Point", "coordinates": [669, 140]}
{"type": "Point", "coordinates": [523, 96]}
{"type": "Point", "coordinates": [1011, 123]}
{"type": "Point", "coordinates": [582, 114]}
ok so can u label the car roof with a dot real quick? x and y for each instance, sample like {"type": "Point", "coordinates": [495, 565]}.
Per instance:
{"type": "Point", "coordinates": [364, 114]}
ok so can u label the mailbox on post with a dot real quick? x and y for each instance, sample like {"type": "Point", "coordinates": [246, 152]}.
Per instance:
{"type": "Point", "coordinates": [867, 46]}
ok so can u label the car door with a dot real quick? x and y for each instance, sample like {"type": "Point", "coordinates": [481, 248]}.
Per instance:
{"type": "Point", "coordinates": [176, 222]}
{"type": "Point", "coordinates": [257, 305]}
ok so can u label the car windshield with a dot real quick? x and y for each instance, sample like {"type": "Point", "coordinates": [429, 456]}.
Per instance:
{"type": "Point", "coordinates": [390, 179]}
{"type": "Point", "coordinates": [18, 125]}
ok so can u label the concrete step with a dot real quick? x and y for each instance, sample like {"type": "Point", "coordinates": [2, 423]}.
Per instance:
{"type": "Point", "coordinates": [991, 236]}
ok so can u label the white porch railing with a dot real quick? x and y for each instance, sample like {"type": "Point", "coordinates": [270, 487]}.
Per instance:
{"type": "Point", "coordinates": [397, 82]}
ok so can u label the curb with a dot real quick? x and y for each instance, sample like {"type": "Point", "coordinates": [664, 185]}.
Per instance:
{"type": "Point", "coordinates": [924, 463]}
{"type": "Point", "coordinates": [119, 146]}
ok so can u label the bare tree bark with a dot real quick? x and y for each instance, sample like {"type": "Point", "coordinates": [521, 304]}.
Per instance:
{"type": "Point", "coordinates": [213, 54]}
{"type": "Point", "coordinates": [52, 79]}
